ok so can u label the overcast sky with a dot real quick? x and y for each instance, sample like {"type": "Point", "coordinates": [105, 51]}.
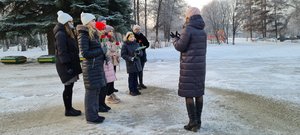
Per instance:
{"type": "Point", "coordinates": [198, 3]}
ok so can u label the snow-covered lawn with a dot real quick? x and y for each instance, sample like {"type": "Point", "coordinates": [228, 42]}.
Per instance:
{"type": "Point", "coordinates": [252, 88]}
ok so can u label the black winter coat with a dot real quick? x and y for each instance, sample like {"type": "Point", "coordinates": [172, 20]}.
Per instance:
{"type": "Point", "coordinates": [92, 66]}
{"type": "Point", "coordinates": [142, 40]}
{"type": "Point", "coordinates": [66, 53]}
{"type": "Point", "coordinates": [192, 45]}
{"type": "Point", "coordinates": [127, 53]}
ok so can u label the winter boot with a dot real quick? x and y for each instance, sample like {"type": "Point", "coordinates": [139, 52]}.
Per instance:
{"type": "Point", "coordinates": [100, 119]}
{"type": "Point", "coordinates": [199, 106]}
{"type": "Point", "coordinates": [143, 86]}
{"type": "Point", "coordinates": [112, 99]}
{"type": "Point", "coordinates": [72, 112]}
{"type": "Point", "coordinates": [115, 97]}
{"type": "Point", "coordinates": [193, 124]}
{"type": "Point", "coordinates": [102, 109]}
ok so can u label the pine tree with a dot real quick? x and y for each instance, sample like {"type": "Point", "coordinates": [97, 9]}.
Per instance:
{"type": "Point", "coordinates": [26, 17]}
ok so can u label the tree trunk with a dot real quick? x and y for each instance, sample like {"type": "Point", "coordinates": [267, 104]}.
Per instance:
{"type": "Point", "coordinates": [138, 11]}
{"type": "Point", "coordinates": [51, 39]}
{"type": "Point", "coordinates": [146, 18]}
{"type": "Point", "coordinates": [157, 20]}
{"type": "Point", "coordinates": [134, 11]}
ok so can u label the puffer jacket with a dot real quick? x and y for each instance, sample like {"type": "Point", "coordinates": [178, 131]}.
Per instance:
{"type": "Point", "coordinates": [127, 53]}
{"type": "Point", "coordinates": [192, 45]}
{"type": "Point", "coordinates": [92, 66]}
{"type": "Point", "coordinates": [109, 72]}
{"type": "Point", "coordinates": [66, 53]}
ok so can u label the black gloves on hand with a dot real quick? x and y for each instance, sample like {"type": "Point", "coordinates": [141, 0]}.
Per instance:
{"type": "Point", "coordinates": [177, 35]}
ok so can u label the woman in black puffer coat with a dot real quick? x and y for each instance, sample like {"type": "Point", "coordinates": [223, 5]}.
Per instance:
{"type": "Point", "coordinates": [92, 66]}
{"type": "Point", "coordinates": [192, 46]}
{"type": "Point", "coordinates": [67, 59]}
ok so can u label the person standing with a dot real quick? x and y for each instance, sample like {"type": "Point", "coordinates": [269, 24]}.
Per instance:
{"type": "Point", "coordinates": [93, 72]}
{"type": "Point", "coordinates": [142, 41]}
{"type": "Point", "coordinates": [132, 56]}
{"type": "Point", "coordinates": [192, 44]}
{"type": "Point", "coordinates": [108, 42]}
{"type": "Point", "coordinates": [67, 59]}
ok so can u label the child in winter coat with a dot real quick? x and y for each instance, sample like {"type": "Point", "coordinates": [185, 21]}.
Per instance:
{"type": "Point", "coordinates": [107, 43]}
{"type": "Point", "coordinates": [131, 55]}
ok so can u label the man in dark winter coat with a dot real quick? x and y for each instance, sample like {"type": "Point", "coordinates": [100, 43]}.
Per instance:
{"type": "Point", "coordinates": [93, 72]}
{"type": "Point", "coordinates": [67, 59]}
{"type": "Point", "coordinates": [192, 46]}
{"type": "Point", "coordinates": [142, 40]}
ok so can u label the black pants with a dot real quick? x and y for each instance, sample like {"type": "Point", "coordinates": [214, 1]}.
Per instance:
{"type": "Point", "coordinates": [110, 88]}
{"type": "Point", "coordinates": [140, 74]}
{"type": "Point", "coordinates": [102, 95]}
{"type": "Point", "coordinates": [132, 82]}
{"type": "Point", "coordinates": [67, 96]}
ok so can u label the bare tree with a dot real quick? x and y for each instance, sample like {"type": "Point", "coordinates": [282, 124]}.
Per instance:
{"type": "Point", "coordinates": [145, 18]}
{"type": "Point", "coordinates": [157, 20]}
{"type": "Point", "coordinates": [236, 17]}
{"type": "Point", "coordinates": [134, 11]}
{"type": "Point", "coordinates": [138, 11]}
{"type": "Point", "coordinates": [212, 16]}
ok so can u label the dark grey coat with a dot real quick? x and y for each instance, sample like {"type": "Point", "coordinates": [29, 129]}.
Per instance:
{"type": "Point", "coordinates": [66, 53]}
{"type": "Point", "coordinates": [92, 66]}
{"type": "Point", "coordinates": [127, 53]}
{"type": "Point", "coordinates": [192, 45]}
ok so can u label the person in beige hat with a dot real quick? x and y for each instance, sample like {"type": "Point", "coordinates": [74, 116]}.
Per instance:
{"type": "Point", "coordinates": [92, 68]}
{"type": "Point", "coordinates": [67, 59]}
{"type": "Point", "coordinates": [142, 41]}
{"type": "Point", "coordinates": [191, 43]}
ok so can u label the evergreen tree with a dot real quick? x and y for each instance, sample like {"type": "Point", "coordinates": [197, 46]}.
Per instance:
{"type": "Point", "coordinates": [21, 17]}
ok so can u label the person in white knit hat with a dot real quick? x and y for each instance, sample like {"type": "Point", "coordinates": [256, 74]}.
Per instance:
{"type": "Point", "coordinates": [67, 59]}
{"type": "Point", "coordinates": [92, 68]}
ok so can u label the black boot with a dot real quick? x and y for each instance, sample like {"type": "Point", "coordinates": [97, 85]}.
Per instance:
{"type": "Point", "coordinates": [100, 119]}
{"type": "Point", "coordinates": [72, 112]}
{"type": "Point", "coordinates": [141, 84]}
{"type": "Point", "coordinates": [193, 124]}
{"type": "Point", "coordinates": [67, 97]}
{"type": "Point", "coordinates": [199, 106]}
{"type": "Point", "coordinates": [102, 106]}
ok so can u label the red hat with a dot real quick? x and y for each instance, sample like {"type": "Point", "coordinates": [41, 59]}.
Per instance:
{"type": "Point", "coordinates": [100, 25]}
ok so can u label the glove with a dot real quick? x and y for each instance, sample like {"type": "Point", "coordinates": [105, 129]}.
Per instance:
{"type": "Point", "coordinates": [177, 34]}
{"type": "Point", "coordinates": [172, 35]}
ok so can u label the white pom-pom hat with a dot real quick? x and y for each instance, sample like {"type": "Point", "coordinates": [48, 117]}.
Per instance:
{"type": "Point", "coordinates": [63, 17]}
{"type": "Point", "coordinates": [86, 18]}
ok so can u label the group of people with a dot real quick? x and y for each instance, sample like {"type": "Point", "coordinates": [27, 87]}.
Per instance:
{"type": "Point", "coordinates": [96, 43]}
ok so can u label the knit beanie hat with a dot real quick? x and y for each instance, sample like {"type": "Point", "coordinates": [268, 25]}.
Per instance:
{"type": "Point", "coordinates": [108, 28]}
{"type": "Point", "coordinates": [136, 27]}
{"type": "Point", "coordinates": [86, 18]}
{"type": "Point", "coordinates": [192, 11]}
{"type": "Point", "coordinates": [63, 17]}
{"type": "Point", "coordinates": [128, 34]}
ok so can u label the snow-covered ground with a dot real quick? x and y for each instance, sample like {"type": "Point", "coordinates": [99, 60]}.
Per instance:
{"type": "Point", "coordinates": [252, 88]}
